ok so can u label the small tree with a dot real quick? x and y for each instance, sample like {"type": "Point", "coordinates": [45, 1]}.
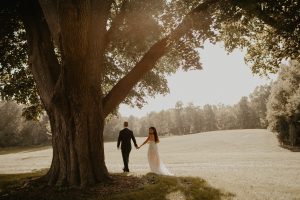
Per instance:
{"type": "Point", "coordinates": [245, 115]}
{"type": "Point", "coordinates": [210, 121]}
{"type": "Point", "coordinates": [15, 131]}
{"type": "Point", "coordinates": [258, 102]}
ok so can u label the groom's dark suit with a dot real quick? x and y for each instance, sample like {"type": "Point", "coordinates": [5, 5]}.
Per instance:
{"type": "Point", "coordinates": [125, 137]}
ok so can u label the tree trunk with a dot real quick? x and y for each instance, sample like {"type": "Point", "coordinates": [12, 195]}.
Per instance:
{"type": "Point", "coordinates": [71, 91]}
{"type": "Point", "coordinates": [77, 138]}
{"type": "Point", "coordinates": [292, 133]}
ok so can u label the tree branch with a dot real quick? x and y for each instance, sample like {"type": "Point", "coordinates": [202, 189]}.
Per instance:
{"type": "Point", "coordinates": [41, 57]}
{"type": "Point", "coordinates": [251, 7]}
{"type": "Point", "coordinates": [116, 22]}
{"type": "Point", "coordinates": [50, 12]}
{"type": "Point", "coordinates": [123, 87]}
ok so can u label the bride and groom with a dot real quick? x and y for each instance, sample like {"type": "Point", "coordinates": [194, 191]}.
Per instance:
{"type": "Point", "coordinates": [155, 163]}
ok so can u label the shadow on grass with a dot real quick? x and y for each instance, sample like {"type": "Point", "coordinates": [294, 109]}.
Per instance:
{"type": "Point", "coordinates": [170, 187]}
{"type": "Point", "coordinates": [121, 187]}
{"type": "Point", "coordinates": [10, 181]}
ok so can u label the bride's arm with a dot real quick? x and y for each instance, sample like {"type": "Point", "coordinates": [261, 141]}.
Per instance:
{"type": "Point", "coordinates": [144, 142]}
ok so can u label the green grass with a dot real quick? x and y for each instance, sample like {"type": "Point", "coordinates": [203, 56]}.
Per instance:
{"type": "Point", "coordinates": [8, 181]}
{"type": "Point", "coordinates": [158, 188]}
{"type": "Point", "coordinates": [122, 187]}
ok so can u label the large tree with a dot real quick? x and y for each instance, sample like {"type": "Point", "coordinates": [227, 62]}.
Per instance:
{"type": "Point", "coordinates": [83, 58]}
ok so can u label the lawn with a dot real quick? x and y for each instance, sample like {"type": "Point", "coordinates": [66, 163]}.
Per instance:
{"type": "Point", "coordinates": [121, 187]}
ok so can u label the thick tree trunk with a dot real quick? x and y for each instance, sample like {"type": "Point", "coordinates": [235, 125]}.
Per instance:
{"type": "Point", "coordinates": [77, 138]}
{"type": "Point", "coordinates": [78, 153]}
{"type": "Point", "coordinates": [71, 91]}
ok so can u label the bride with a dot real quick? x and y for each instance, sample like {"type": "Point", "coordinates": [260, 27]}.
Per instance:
{"type": "Point", "coordinates": [156, 165]}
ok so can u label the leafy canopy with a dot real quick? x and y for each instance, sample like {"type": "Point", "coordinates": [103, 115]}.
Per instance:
{"type": "Point", "coordinates": [269, 30]}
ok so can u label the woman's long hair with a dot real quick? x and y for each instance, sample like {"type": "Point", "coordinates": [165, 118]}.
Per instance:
{"type": "Point", "coordinates": [155, 134]}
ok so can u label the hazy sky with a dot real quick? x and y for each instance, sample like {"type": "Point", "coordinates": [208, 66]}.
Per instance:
{"type": "Point", "coordinates": [224, 79]}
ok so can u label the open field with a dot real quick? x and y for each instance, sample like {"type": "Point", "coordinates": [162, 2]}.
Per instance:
{"type": "Point", "coordinates": [248, 163]}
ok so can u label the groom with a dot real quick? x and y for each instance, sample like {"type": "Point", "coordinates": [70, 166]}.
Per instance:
{"type": "Point", "coordinates": [125, 137]}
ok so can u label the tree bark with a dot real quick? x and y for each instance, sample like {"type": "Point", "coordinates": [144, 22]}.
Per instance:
{"type": "Point", "coordinates": [77, 138]}
{"type": "Point", "coordinates": [70, 91]}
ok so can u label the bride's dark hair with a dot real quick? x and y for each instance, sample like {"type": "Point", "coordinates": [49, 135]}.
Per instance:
{"type": "Point", "coordinates": [155, 134]}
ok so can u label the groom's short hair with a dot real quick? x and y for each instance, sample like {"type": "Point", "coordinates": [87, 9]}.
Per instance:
{"type": "Point", "coordinates": [125, 124]}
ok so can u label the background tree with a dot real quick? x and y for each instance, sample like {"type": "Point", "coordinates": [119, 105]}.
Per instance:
{"type": "Point", "coordinates": [209, 118]}
{"type": "Point", "coordinates": [190, 120]}
{"type": "Point", "coordinates": [112, 128]}
{"type": "Point", "coordinates": [258, 102]}
{"type": "Point", "coordinates": [245, 115]}
{"type": "Point", "coordinates": [178, 115]}
{"type": "Point", "coordinates": [226, 117]}
{"type": "Point", "coordinates": [198, 120]}
{"type": "Point", "coordinates": [284, 104]}
{"type": "Point", "coordinates": [15, 131]}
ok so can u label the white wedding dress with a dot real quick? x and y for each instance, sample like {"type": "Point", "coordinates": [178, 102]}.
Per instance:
{"type": "Point", "coordinates": [155, 163]}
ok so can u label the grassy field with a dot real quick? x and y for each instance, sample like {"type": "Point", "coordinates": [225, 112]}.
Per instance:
{"type": "Point", "coordinates": [121, 187]}
{"type": "Point", "coordinates": [9, 150]}
{"type": "Point", "coordinates": [248, 163]}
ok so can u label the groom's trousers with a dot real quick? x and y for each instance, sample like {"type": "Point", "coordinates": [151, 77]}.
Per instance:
{"type": "Point", "coordinates": [125, 155]}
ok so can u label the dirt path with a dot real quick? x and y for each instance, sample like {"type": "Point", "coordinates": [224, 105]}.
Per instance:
{"type": "Point", "coordinates": [248, 163]}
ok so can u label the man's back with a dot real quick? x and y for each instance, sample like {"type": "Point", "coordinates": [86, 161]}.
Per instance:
{"type": "Point", "coordinates": [125, 137]}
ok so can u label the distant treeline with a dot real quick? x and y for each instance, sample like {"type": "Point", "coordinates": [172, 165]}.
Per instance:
{"type": "Point", "coordinates": [16, 131]}
{"type": "Point", "coordinates": [248, 113]}
{"type": "Point", "coordinates": [275, 106]}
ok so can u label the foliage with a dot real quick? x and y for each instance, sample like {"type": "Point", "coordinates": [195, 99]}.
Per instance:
{"type": "Point", "coordinates": [259, 97]}
{"type": "Point", "coordinates": [139, 25]}
{"type": "Point", "coordinates": [16, 80]}
{"type": "Point", "coordinates": [149, 186]}
{"type": "Point", "coordinates": [269, 30]}
{"type": "Point", "coordinates": [246, 117]}
{"type": "Point", "coordinates": [15, 131]}
{"type": "Point", "coordinates": [247, 113]}
{"type": "Point", "coordinates": [284, 103]}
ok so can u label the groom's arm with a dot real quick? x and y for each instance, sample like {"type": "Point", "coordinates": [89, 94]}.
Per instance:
{"type": "Point", "coordinates": [133, 139]}
{"type": "Point", "coordinates": [119, 140]}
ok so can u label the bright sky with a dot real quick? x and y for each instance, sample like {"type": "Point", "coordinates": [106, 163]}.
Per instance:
{"type": "Point", "coordinates": [224, 79]}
